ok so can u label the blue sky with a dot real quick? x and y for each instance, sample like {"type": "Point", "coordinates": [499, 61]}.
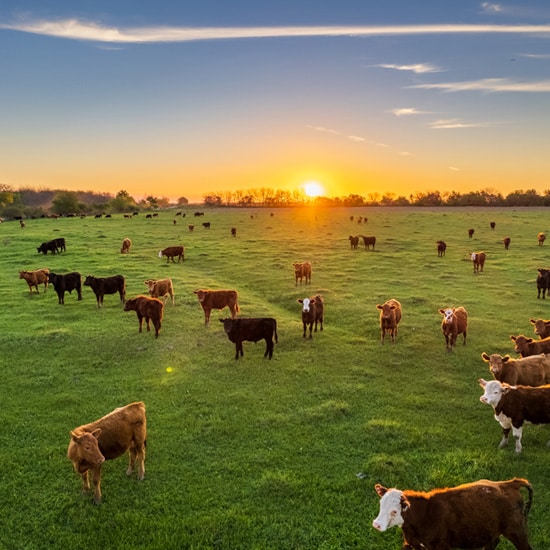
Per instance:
{"type": "Point", "coordinates": [185, 98]}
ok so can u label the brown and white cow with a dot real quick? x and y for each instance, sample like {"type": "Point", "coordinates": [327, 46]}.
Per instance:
{"type": "Point", "coordinates": [123, 429]}
{"type": "Point", "coordinates": [441, 248]}
{"type": "Point", "coordinates": [150, 309]}
{"type": "Point", "coordinates": [390, 316]}
{"type": "Point", "coordinates": [514, 405]}
{"type": "Point", "coordinates": [541, 237]}
{"type": "Point", "coordinates": [302, 270]}
{"type": "Point", "coordinates": [528, 346]}
{"type": "Point", "coordinates": [126, 245]}
{"type": "Point", "coordinates": [526, 371]}
{"type": "Point", "coordinates": [472, 515]}
{"type": "Point", "coordinates": [217, 299]}
{"type": "Point", "coordinates": [172, 252]}
{"type": "Point", "coordinates": [313, 311]}
{"type": "Point", "coordinates": [455, 322]}
{"type": "Point", "coordinates": [161, 288]}
{"type": "Point", "coordinates": [541, 327]}
{"type": "Point", "coordinates": [478, 261]}
{"type": "Point", "coordinates": [35, 277]}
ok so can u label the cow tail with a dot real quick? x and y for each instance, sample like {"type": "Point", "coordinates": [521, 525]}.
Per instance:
{"type": "Point", "coordinates": [528, 486]}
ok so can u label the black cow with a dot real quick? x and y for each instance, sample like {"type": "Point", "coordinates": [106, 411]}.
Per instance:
{"type": "Point", "coordinates": [251, 330]}
{"type": "Point", "coordinates": [543, 282]}
{"type": "Point", "coordinates": [68, 282]}
{"type": "Point", "coordinates": [60, 244]}
{"type": "Point", "coordinates": [106, 285]}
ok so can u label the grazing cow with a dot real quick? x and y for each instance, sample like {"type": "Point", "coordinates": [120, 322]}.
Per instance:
{"type": "Point", "coordinates": [313, 311]}
{"type": "Point", "coordinates": [527, 346]}
{"type": "Point", "coordinates": [124, 429]}
{"type": "Point", "coordinates": [455, 322]}
{"type": "Point", "coordinates": [506, 242]}
{"type": "Point", "coordinates": [302, 270]}
{"type": "Point", "coordinates": [48, 246]}
{"type": "Point", "coordinates": [368, 241]}
{"type": "Point", "coordinates": [217, 299]}
{"type": "Point", "coordinates": [514, 405]}
{"type": "Point", "coordinates": [151, 309]}
{"type": "Point", "coordinates": [354, 241]}
{"type": "Point", "coordinates": [541, 238]}
{"type": "Point", "coordinates": [492, 224]}
{"type": "Point", "coordinates": [206, 225]}
{"type": "Point", "coordinates": [106, 285]}
{"type": "Point", "coordinates": [472, 515]}
{"type": "Point", "coordinates": [527, 371]}
{"type": "Point", "coordinates": [390, 315]}
{"type": "Point", "coordinates": [126, 245]}
{"type": "Point", "coordinates": [66, 283]}
{"type": "Point", "coordinates": [172, 252]}
{"type": "Point", "coordinates": [161, 288]}
{"type": "Point", "coordinates": [470, 233]}
{"type": "Point", "coordinates": [478, 261]}
{"type": "Point", "coordinates": [543, 282]}
{"type": "Point", "coordinates": [233, 231]}
{"type": "Point", "coordinates": [541, 328]}
{"type": "Point", "coordinates": [191, 227]}
{"type": "Point", "coordinates": [147, 216]}
{"type": "Point", "coordinates": [35, 278]}
{"type": "Point", "coordinates": [441, 248]}
{"type": "Point", "coordinates": [198, 214]}
{"type": "Point", "coordinates": [251, 330]}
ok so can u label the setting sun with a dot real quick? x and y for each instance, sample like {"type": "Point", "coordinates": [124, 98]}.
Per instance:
{"type": "Point", "coordinates": [313, 189]}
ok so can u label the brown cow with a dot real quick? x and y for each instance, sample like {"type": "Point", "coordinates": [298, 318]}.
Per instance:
{"type": "Point", "coordinates": [161, 288]}
{"type": "Point", "coordinates": [441, 248]}
{"type": "Point", "coordinates": [217, 299]}
{"type": "Point", "coordinates": [313, 311]}
{"type": "Point", "coordinates": [526, 371]}
{"type": "Point", "coordinates": [390, 315]}
{"type": "Point", "coordinates": [506, 241]}
{"type": "Point", "coordinates": [369, 241]}
{"type": "Point", "coordinates": [126, 245]}
{"type": "Point", "coordinates": [541, 327]}
{"type": "Point", "coordinates": [302, 270]}
{"type": "Point", "coordinates": [541, 238]}
{"type": "Point", "coordinates": [123, 429]}
{"type": "Point", "coordinates": [528, 346]}
{"type": "Point", "coordinates": [233, 231]}
{"type": "Point", "coordinates": [353, 241]}
{"type": "Point", "coordinates": [172, 252]}
{"type": "Point", "coordinates": [514, 405]}
{"type": "Point", "coordinates": [478, 261]}
{"type": "Point", "coordinates": [151, 309]}
{"type": "Point", "coordinates": [455, 322]}
{"type": "Point", "coordinates": [35, 278]}
{"type": "Point", "coordinates": [492, 225]}
{"type": "Point", "coordinates": [472, 515]}
{"type": "Point", "coordinates": [471, 233]}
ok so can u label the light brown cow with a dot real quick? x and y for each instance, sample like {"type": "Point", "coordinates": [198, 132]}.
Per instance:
{"type": "Point", "coordinates": [526, 371]}
{"type": "Point", "coordinates": [150, 309]}
{"type": "Point", "coordinates": [472, 515]}
{"type": "Point", "coordinates": [541, 327]}
{"type": "Point", "coordinates": [35, 278]}
{"type": "Point", "coordinates": [217, 299]}
{"type": "Point", "coordinates": [541, 238]}
{"type": "Point", "coordinates": [528, 346]}
{"type": "Point", "coordinates": [123, 429]}
{"type": "Point", "coordinates": [390, 316]}
{"type": "Point", "coordinates": [161, 288]}
{"type": "Point", "coordinates": [455, 322]}
{"type": "Point", "coordinates": [302, 270]}
{"type": "Point", "coordinates": [126, 245]}
{"type": "Point", "coordinates": [478, 261]}
{"type": "Point", "coordinates": [172, 252]}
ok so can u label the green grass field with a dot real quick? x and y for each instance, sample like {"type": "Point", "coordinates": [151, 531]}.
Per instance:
{"type": "Point", "coordinates": [259, 454]}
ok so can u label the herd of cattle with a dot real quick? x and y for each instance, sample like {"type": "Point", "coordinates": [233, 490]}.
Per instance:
{"type": "Point", "coordinates": [519, 393]}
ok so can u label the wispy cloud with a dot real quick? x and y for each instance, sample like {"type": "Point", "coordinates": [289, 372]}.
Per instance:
{"type": "Point", "coordinates": [77, 29]}
{"type": "Point", "coordinates": [489, 85]}
{"type": "Point", "coordinates": [324, 130]}
{"type": "Point", "coordinates": [418, 68]}
{"type": "Point", "coordinates": [536, 55]}
{"type": "Point", "coordinates": [454, 124]}
{"type": "Point", "coordinates": [407, 111]}
{"type": "Point", "coordinates": [491, 7]}
{"type": "Point", "coordinates": [454, 169]}
{"type": "Point", "coordinates": [356, 138]}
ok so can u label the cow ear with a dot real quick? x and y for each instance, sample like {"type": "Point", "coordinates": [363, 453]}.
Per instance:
{"type": "Point", "coordinates": [529, 340]}
{"type": "Point", "coordinates": [221, 320]}
{"type": "Point", "coordinates": [485, 357]}
{"type": "Point", "coordinates": [506, 358]}
{"type": "Point", "coordinates": [405, 504]}
{"type": "Point", "coordinates": [380, 490]}
{"type": "Point", "coordinates": [513, 338]}
{"type": "Point", "coordinates": [96, 432]}
{"type": "Point", "coordinates": [482, 382]}
{"type": "Point", "coordinates": [378, 306]}
{"type": "Point", "coordinates": [300, 301]}
{"type": "Point", "coordinates": [532, 321]}
{"type": "Point", "coordinates": [442, 311]}
{"type": "Point", "coordinates": [74, 437]}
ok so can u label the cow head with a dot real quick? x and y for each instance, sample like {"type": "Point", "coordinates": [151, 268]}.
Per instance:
{"type": "Point", "coordinates": [496, 362]}
{"type": "Point", "coordinates": [201, 295]}
{"type": "Point", "coordinates": [493, 391]}
{"type": "Point", "coordinates": [160, 253]}
{"type": "Point", "coordinates": [150, 284]}
{"type": "Point", "coordinates": [386, 310]}
{"type": "Point", "coordinates": [392, 505]}
{"type": "Point", "coordinates": [228, 324]}
{"type": "Point", "coordinates": [473, 256]}
{"type": "Point", "coordinates": [87, 446]}
{"type": "Point", "coordinates": [306, 303]}
{"type": "Point", "coordinates": [448, 315]}
{"type": "Point", "coordinates": [88, 280]}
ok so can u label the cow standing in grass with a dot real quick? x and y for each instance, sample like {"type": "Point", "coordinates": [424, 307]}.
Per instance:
{"type": "Point", "coordinates": [35, 277]}
{"type": "Point", "coordinates": [313, 310]}
{"type": "Point", "coordinates": [150, 309]}
{"type": "Point", "coordinates": [455, 322]}
{"type": "Point", "coordinates": [106, 285]}
{"type": "Point", "coordinates": [390, 316]}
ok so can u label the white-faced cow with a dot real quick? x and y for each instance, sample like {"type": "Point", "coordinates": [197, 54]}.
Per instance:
{"type": "Point", "coordinates": [217, 299]}
{"type": "Point", "coordinates": [390, 316]}
{"type": "Point", "coordinates": [313, 311]}
{"type": "Point", "coordinates": [514, 405]}
{"type": "Point", "coordinates": [478, 261]}
{"type": "Point", "coordinates": [472, 515]}
{"type": "Point", "coordinates": [526, 371]}
{"type": "Point", "coordinates": [251, 330]}
{"type": "Point", "coordinates": [455, 322]}
{"type": "Point", "coordinates": [123, 429]}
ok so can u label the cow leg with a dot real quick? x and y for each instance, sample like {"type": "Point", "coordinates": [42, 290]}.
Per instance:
{"type": "Point", "coordinates": [269, 347]}
{"type": "Point", "coordinates": [464, 341]}
{"type": "Point", "coordinates": [147, 319]}
{"type": "Point", "coordinates": [517, 432]}
{"type": "Point", "coordinates": [140, 319]}
{"type": "Point", "coordinates": [85, 482]}
{"type": "Point", "coordinates": [504, 440]}
{"type": "Point", "coordinates": [207, 317]}
{"type": "Point", "coordinates": [156, 324]}
{"type": "Point", "coordinates": [96, 480]}
{"type": "Point", "coordinates": [305, 328]}
{"type": "Point", "coordinates": [310, 329]}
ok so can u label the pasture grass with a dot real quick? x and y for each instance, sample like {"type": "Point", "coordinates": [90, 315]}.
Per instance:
{"type": "Point", "coordinates": [259, 454]}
